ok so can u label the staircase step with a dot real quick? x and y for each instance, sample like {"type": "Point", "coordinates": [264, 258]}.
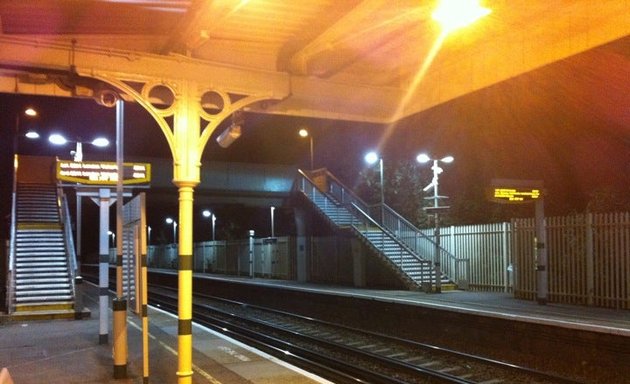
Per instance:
{"type": "Point", "coordinates": [43, 299]}
{"type": "Point", "coordinates": [41, 275]}
{"type": "Point", "coordinates": [49, 306]}
{"type": "Point", "coordinates": [39, 270]}
{"type": "Point", "coordinates": [44, 264]}
{"type": "Point", "coordinates": [29, 253]}
{"type": "Point", "coordinates": [45, 280]}
{"type": "Point", "coordinates": [38, 259]}
{"type": "Point", "coordinates": [51, 294]}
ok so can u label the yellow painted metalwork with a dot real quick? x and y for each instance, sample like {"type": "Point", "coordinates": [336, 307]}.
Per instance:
{"type": "Point", "coordinates": [186, 140]}
{"type": "Point", "coordinates": [120, 338]}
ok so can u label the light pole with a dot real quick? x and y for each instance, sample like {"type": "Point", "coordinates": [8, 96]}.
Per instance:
{"type": "Point", "coordinates": [304, 133]}
{"type": "Point", "coordinates": [148, 235]}
{"type": "Point", "coordinates": [169, 220]}
{"type": "Point", "coordinates": [59, 139]}
{"type": "Point", "coordinates": [424, 158]}
{"type": "Point", "coordinates": [371, 158]}
{"type": "Point", "coordinates": [272, 209]}
{"type": "Point", "coordinates": [206, 213]}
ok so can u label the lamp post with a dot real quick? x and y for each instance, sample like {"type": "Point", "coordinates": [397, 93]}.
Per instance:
{"type": "Point", "coordinates": [59, 139]}
{"type": "Point", "coordinates": [169, 220]}
{"type": "Point", "coordinates": [206, 213]}
{"type": "Point", "coordinates": [272, 209]}
{"type": "Point", "coordinates": [148, 235]}
{"type": "Point", "coordinates": [371, 158]}
{"type": "Point", "coordinates": [424, 158]}
{"type": "Point", "coordinates": [304, 133]}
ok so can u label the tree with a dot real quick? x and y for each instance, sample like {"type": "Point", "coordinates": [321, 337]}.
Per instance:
{"type": "Point", "coordinates": [404, 181]}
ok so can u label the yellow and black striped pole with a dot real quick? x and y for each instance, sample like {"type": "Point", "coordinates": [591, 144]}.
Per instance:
{"type": "Point", "coordinates": [143, 289]}
{"type": "Point", "coordinates": [120, 303]}
{"type": "Point", "coordinates": [184, 326]}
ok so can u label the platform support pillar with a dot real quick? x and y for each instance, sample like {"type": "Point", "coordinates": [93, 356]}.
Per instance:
{"type": "Point", "coordinates": [103, 265]}
{"type": "Point", "coordinates": [120, 338]}
{"type": "Point", "coordinates": [181, 125]}
{"type": "Point", "coordinates": [304, 246]}
{"type": "Point", "coordinates": [358, 263]}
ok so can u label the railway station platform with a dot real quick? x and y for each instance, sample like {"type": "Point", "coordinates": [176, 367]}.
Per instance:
{"type": "Point", "coordinates": [67, 351]}
{"type": "Point", "coordinates": [488, 304]}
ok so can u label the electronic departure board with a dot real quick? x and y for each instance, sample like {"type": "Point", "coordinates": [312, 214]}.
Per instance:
{"type": "Point", "coordinates": [515, 191]}
{"type": "Point", "coordinates": [102, 173]}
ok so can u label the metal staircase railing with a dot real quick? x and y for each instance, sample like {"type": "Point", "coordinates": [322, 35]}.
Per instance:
{"type": "Point", "coordinates": [413, 266]}
{"type": "Point", "coordinates": [12, 236]}
{"type": "Point", "coordinates": [345, 209]}
{"type": "Point", "coordinates": [457, 269]}
{"type": "Point", "coordinates": [69, 241]}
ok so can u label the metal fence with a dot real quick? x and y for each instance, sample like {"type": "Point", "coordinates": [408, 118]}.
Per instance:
{"type": "Point", "coordinates": [588, 257]}
{"type": "Point", "coordinates": [487, 249]}
{"type": "Point", "coordinates": [270, 257]}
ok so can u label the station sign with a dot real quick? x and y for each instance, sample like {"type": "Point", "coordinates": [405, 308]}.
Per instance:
{"type": "Point", "coordinates": [102, 172]}
{"type": "Point", "coordinates": [509, 191]}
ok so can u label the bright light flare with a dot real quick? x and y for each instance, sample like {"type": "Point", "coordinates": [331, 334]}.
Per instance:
{"type": "Point", "coordinates": [454, 14]}
{"type": "Point", "coordinates": [57, 139]}
{"type": "Point", "coordinates": [30, 111]}
{"type": "Point", "coordinates": [423, 158]}
{"type": "Point", "coordinates": [100, 142]}
{"type": "Point", "coordinates": [32, 135]}
{"type": "Point", "coordinates": [303, 133]}
{"type": "Point", "coordinates": [371, 157]}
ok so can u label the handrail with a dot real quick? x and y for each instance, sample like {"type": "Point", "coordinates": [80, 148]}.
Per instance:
{"type": "Point", "coordinates": [388, 233]}
{"type": "Point", "coordinates": [12, 236]}
{"type": "Point", "coordinates": [394, 225]}
{"type": "Point", "coordinates": [69, 241]}
{"type": "Point", "coordinates": [336, 188]}
{"type": "Point", "coordinates": [424, 245]}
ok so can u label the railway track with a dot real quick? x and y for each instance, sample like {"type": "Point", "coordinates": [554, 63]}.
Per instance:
{"type": "Point", "coordinates": [346, 355]}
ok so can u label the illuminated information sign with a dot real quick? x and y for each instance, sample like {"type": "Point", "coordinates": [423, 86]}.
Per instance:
{"type": "Point", "coordinates": [515, 191]}
{"type": "Point", "coordinates": [516, 195]}
{"type": "Point", "coordinates": [102, 173]}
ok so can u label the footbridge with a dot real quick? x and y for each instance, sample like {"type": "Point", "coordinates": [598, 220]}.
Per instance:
{"type": "Point", "coordinates": [247, 184]}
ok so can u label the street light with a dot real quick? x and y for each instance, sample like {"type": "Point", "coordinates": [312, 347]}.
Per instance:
{"type": "Point", "coordinates": [454, 14]}
{"type": "Point", "coordinates": [304, 133]}
{"type": "Point", "coordinates": [206, 213]}
{"type": "Point", "coordinates": [424, 158]}
{"type": "Point", "coordinates": [29, 112]}
{"type": "Point", "coordinates": [169, 221]}
{"type": "Point", "coordinates": [148, 235]}
{"type": "Point", "coordinates": [59, 139]}
{"type": "Point", "coordinates": [371, 158]}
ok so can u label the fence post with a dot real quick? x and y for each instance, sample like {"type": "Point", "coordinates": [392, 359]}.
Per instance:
{"type": "Point", "coordinates": [590, 261]}
{"type": "Point", "coordinates": [506, 256]}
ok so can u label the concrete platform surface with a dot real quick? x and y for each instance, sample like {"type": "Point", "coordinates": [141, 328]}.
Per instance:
{"type": "Point", "coordinates": [68, 351]}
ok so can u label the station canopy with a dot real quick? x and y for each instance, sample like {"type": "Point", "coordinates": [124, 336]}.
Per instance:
{"type": "Point", "coordinates": [358, 60]}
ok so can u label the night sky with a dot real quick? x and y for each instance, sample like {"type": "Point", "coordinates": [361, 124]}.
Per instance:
{"type": "Point", "coordinates": [567, 124]}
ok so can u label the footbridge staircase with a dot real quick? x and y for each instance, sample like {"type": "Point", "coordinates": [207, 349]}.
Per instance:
{"type": "Point", "coordinates": [42, 263]}
{"type": "Point", "coordinates": [403, 247]}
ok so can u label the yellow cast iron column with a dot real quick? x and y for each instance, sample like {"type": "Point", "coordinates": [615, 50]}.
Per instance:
{"type": "Point", "coordinates": [184, 326]}
{"type": "Point", "coordinates": [186, 141]}
{"type": "Point", "coordinates": [186, 175]}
